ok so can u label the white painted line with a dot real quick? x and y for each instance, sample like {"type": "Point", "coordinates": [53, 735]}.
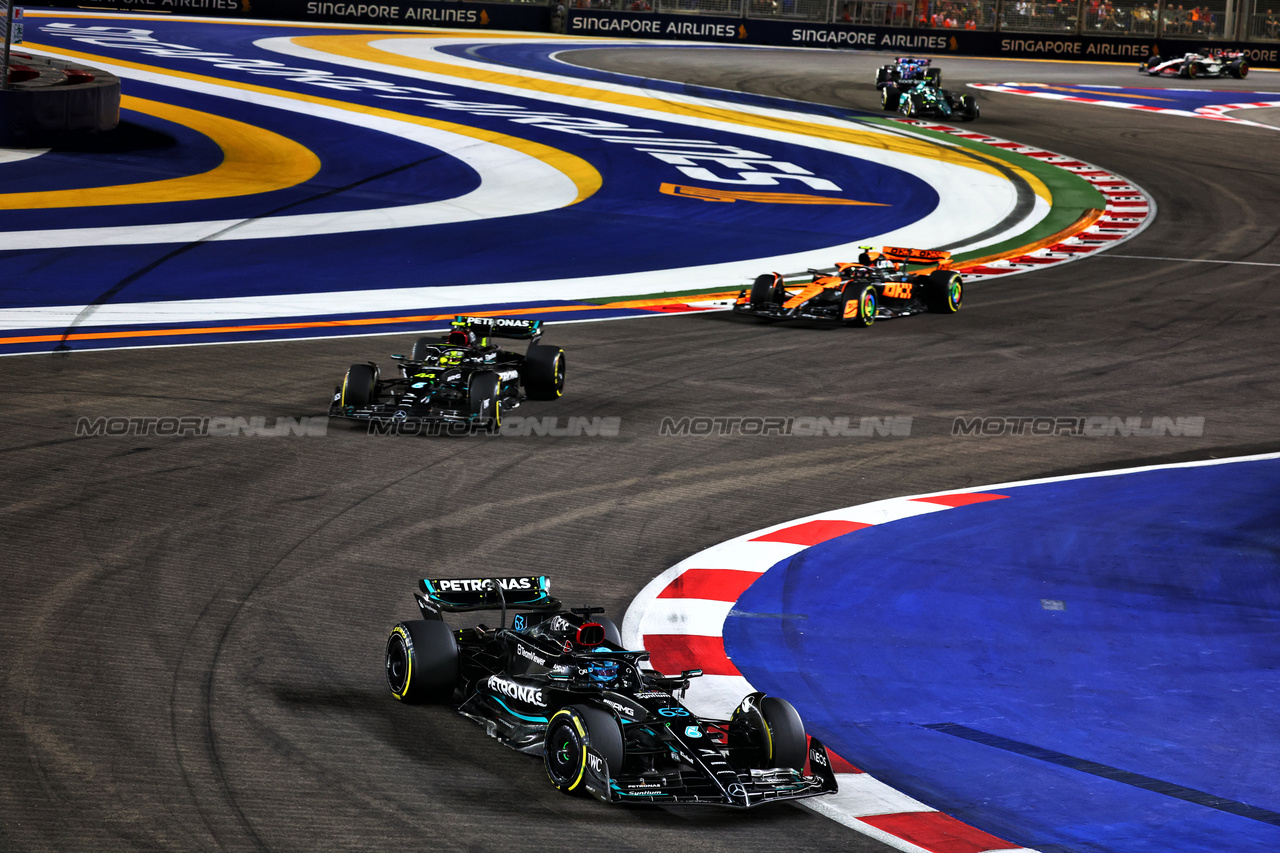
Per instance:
{"type": "Point", "coordinates": [1190, 260]}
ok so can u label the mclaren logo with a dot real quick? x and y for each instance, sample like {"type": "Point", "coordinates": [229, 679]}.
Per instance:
{"type": "Point", "coordinates": [519, 692]}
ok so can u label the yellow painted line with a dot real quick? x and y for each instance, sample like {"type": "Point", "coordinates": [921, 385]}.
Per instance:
{"type": "Point", "coordinates": [360, 47]}
{"type": "Point", "coordinates": [583, 174]}
{"type": "Point", "coordinates": [255, 160]}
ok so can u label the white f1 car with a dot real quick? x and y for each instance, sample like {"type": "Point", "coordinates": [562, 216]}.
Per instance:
{"type": "Point", "coordinates": [1209, 62]}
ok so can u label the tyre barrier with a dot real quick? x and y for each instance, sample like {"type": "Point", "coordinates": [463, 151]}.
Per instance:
{"type": "Point", "coordinates": [49, 98]}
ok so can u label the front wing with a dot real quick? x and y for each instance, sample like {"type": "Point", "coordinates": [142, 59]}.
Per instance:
{"type": "Point", "coordinates": [750, 788]}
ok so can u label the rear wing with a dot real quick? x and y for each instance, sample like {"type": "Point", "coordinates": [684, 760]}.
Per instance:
{"type": "Point", "coordinates": [501, 327]}
{"type": "Point", "coordinates": [917, 256]}
{"type": "Point", "coordinates": [461, 595]}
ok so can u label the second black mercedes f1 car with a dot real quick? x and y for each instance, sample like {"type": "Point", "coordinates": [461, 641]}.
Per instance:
{"type": "Point", "coordinates": [558, 683]}
{"type": "Point", "coordinates": [875, 288]}
{"type": "Point", "coordinates": [460, 379]}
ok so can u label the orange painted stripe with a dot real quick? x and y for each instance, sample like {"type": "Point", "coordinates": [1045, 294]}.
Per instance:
{"type": "Point", "coordinates": [730, 196]}
{"type": "Point", "coordinates": [672, 300]}
{"type": "Point", "coordinates": [1086, 219]}
{"type": "Point", "coordinates": [639, 304]}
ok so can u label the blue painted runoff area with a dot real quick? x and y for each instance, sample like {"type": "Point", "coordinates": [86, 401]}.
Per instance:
{"type": "Point", "coordinates": [614, 230]}
{"type": "Point", "coordinates": [1086, 665]}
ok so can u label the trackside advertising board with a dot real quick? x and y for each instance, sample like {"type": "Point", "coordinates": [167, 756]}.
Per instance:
{"type": "Point", "coordinates": [592, 22]}
{"type": "Point", "coordinates": [495, 16]}
{"type": "Point", "coordinates": [648, 25]}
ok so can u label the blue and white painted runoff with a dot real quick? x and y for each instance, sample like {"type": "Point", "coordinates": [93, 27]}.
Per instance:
{"type": "Point", "coordinates": [1078, 663]}
{"type": "Point", "coordinates": [315, 174]}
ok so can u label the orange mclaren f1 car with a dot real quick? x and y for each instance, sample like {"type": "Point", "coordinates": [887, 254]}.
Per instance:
{"type": "Point", "coordinates": [875, 288]}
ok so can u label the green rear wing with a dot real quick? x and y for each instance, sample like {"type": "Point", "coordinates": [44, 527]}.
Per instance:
{"type": "Point", "coordinates": [461, 595]}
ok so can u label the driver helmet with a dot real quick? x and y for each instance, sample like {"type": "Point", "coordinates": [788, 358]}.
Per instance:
{"type": "Point", "coordinates": [602, 671]}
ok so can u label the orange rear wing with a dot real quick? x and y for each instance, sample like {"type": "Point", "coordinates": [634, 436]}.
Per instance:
{"type": "Point", "coordinates": [917, 256]}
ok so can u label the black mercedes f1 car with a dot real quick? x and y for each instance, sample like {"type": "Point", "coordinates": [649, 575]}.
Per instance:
{"type": "Point", "coordinates": [558, 683]}
{"type": "Point", "coordinates": [875, 288]}
{"type": "Point", "coordinates": [459, 380]}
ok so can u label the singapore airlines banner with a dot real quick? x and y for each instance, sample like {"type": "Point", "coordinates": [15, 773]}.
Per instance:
{"type": "Point", "coordinates": [592, 22]}
{"type": "Point", "coordinates": [540, 17]}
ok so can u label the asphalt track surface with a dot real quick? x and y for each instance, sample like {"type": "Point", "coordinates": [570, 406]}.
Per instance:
{"type": "Point", "coordinates": [193, 627]}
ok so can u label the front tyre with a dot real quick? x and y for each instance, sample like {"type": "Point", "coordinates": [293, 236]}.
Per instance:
{"type": "Point", "coordinates": [483, 392]}
{"type": "Point", "coordinates": [543, 372]}
{"type": "Point", "coordinates": [889, 96]}
{"type": "Point", "coordinates": [768, 731]}
{"type": "Point", "coordinates": [422, 661]}
{"type": "Point", "coordinates": [943, 291]}
{"type": "Point", "coordinates": [767, 290]}
{"type": "Point", "coordinates": [569, 732]}
{"type": "Point", "coordinates": [858, 304]}
{"type": "Point", "coordinates": [359, 386]}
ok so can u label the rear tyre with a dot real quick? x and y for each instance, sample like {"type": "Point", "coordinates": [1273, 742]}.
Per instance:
{"type": "Point", "coordinates": [482, 392]}
{"type": "Point", "coordinates": [943, 291]}
{"type": "Point", "coordinates": [420, 347]}
{"type": "Point", "coordinates": [543, 372]}
{"type": "Point", "coordinates": [768, 731]}
{"type": "Point", "coordinates": [934, 76]}
{"type": "Point", "coordinates": [359, 386]}
{"type": "Point", "coordinates": [569, 732]}
{"type": "Point", "coordinates": [858, 304]}
{"type": "Point", "coordinates": [422, 661]}
{"type": "Point", "coordinates": [889, 97]}
{"type": "Point", "coordinates": [1238, 69]}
